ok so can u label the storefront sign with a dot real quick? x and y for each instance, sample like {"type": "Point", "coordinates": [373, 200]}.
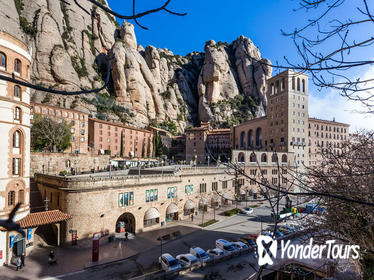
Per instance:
{"type": "Point", "coordinates": [11, 241]}
{"type": "Point", "coordinates": [29, 233]}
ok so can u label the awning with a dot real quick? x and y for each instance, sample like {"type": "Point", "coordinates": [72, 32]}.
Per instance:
{"type": "Point", "coordinates": [43, 218]}
{"type": "Point", "coordinates": [189, 205]}
{"type": "Point", "coordinates": [203, 201]}
{"type": "Point", "coordinates": [152, 213]}
{"type": "Point", "coordinates": [225, 196]}
{"type": "Point", "coordinates": [172, 208]}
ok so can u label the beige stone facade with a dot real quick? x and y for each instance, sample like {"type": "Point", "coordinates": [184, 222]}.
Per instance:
{"type": "Point", "coordinates": [77, 119]}
{"type": "Point", "coordinates": [54, 163]}
{"type": "Point", "coordinates": [205, 144]}
{"type": "Point", "coordinates": [325, 134]}
{"type": "Point", "coordinates": [15, 60]}
{"type": "Point", "coordinates": [120, 140]}
{"type": "Point", "coordinates": [264, 167]}
{"type": "Point", "coordinates": [175, 196]}
{"type": "Point", "coordinates": [285, 126]}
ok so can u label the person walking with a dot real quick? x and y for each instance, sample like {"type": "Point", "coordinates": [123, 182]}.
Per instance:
{"type": "Point", "coordinates": [23, 260]}
{"type": "Point", "coordinates": [192, 218]}
{"type": "Point", "coordinates": [19, 264]}
{"type": "Point", "coordinates": [127, 235]}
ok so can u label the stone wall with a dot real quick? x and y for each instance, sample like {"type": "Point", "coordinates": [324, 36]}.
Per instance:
{"type": "Point", "coordinates": [93, 200]}
{"type": "Point", "coordinates": [54, 163]}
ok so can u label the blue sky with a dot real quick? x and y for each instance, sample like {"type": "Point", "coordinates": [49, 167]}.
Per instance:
{"type": "Point", "coordinates": [261, 21]}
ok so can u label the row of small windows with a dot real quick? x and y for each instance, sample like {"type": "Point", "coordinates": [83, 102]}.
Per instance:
{"type": "Point", "coordinates": [250, 138]}
{"type": "Point", "coordinates": [17, 63]}
{"type": "Point", "coordinates": [328, 128]}
{"type": "Point", "coordinates": [12, 197]}
{"type": "Point", "coordinates": [253, 158]}
{"type": "Point", "coordinates": [274, 88]}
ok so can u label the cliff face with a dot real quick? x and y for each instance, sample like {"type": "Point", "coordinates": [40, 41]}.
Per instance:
{"type": "Point", "coordinates": [71, 42]}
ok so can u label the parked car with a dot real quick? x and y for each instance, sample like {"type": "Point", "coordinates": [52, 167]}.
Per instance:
{"type": "Point", "coordinates": [247, 211]}
{"type": "Point", "coordinates": [200, 254]}
{"type": "Point", "coordinates": [240, 245]}
{"type": "Point", "coordinates": [248, 240]}
{"type": "Point", "coordinates": [168, 262]}
{"type": "Point", "coordinates": [187, 260]}
{"type": "Point", "coordinates": [215, 253]}
{"type": "Point", "coordinates": [226, 246]}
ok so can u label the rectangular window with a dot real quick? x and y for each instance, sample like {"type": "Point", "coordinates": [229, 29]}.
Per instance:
{"type": "Point", "coordinates": [203, 188]}
{"type": "Point", "coordinates": [224, 185]}
{"type": "Point", "coordinates": [16, 166]}
{"type": "Point", "coordinates": [172, 192]}
{"type": "Point", "coordinates": [188, 189]}
{"type": "Point", "coordinates": [214, 186]}
{"type": "Point", "coordinates": [120, 200]}
{"type": "Point", "coordinates": [150, 195]}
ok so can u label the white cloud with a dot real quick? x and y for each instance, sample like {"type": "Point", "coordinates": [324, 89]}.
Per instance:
{"type": "Point", "coordinates": [330, 104]}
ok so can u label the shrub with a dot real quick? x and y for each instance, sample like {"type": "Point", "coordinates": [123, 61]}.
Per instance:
{"type": "Point", "coordinates": [232, 212]}
{"type": "Point", "coordinates": [208, 223]}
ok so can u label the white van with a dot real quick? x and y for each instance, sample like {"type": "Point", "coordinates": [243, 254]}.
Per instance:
{"type": "Point", "coordinates": [200, 254]}
{"type": "Point", "coordinates": [226, 246]}
{"type": "Point", "coordinates": [168, 262]}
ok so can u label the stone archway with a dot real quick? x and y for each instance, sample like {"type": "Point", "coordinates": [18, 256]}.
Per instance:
{"type": "Point", "coordinates": [172, 213]}
{"type": "Point", "coordinates": [47, 234]}
{"type": "Point", "coordinates": [18, 246]}
{"type": "Point", "coordinates": [126, 222]}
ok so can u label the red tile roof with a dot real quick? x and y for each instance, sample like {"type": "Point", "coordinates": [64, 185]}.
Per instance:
{"type": "Point", "coordinates": [43, 218]}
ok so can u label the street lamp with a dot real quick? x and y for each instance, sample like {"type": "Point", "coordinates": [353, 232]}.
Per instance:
{"type": "Point", "coordinates": [139, 168]}
{"type": "Point", "coordinates": [162, 167]}
{"type": "Point", "coordinates": [94, 165]}
{"type": "Point", "coordinates": [75, 164]}
{"type": "Point", "coordinates": [160, 239]}
{"type": "Point", "coordinates": [208, 160]}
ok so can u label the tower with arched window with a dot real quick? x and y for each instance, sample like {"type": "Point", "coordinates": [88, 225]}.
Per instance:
{"type": "Point", "coordinates": [15, 59]}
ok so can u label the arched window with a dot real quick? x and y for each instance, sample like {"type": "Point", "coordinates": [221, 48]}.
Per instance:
{"type": "Point", "coordinates": [276, 87]}
{"type": "Point", "coordinates": [17, 91]}
{"type": "Point", "coordinates": [252, 157]}
{"type": "Point", "coordinates": [303, 85]}
{"type": "Point", "coordinates": [2, 60]}
{"type": "Point", "coordinates": [17, 65]}
{"type": "Point", "coordinates": [16, 139]}
{"type": "Point", "coordinates": [250, 138]}
{"type": "Point", "coordinates": [258, 137]}
{"type": "Point", "coordinates": [11, 198]}
{"type": "Point", "coordinates": [242, 135]}
{"type": "Point", "coordinates": [284, 158]}
{"type": "Point", "coordinates": [298, 84]}
{"type": "Point", "coordinates": [264, 158]}
{"type": "Point", "coordinates": [293, 82]}
{"type": "Point", "coordinates": [17, 113]}
{"type": "Point", "coordinates": [274, 158]}
{"type": "Point", "coordinates": [21, 196]}
{"type": "Point", "coordinates": [241, 157]}
{"type": "Point", "coordinates": [67, 163]}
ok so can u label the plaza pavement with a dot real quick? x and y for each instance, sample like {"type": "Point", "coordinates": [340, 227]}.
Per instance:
{"type": "Point", "coordinates": [78, 258]}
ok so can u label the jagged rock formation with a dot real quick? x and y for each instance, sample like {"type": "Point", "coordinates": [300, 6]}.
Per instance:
{"type": "Point", "coordinates": [71, 41]}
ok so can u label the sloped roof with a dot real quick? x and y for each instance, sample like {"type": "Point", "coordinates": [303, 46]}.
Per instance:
{"type": "Point", "coordinates": [43, 218]}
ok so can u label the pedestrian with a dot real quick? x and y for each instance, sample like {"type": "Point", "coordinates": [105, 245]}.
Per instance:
{"type": "Point", "coordinates": [127, 235]}
{"type": "Point", "coordinates": [52, 258]}
{"type": "Point", "coordinates": [192, 218]}
{"type": "Point", "coordinates": [23, 260]}
{"type": "Point", "coordinates": [19, 264]}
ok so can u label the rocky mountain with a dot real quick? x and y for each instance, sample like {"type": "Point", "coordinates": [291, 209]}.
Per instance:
{"type": "Point", "coordinates": [71, 42]}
